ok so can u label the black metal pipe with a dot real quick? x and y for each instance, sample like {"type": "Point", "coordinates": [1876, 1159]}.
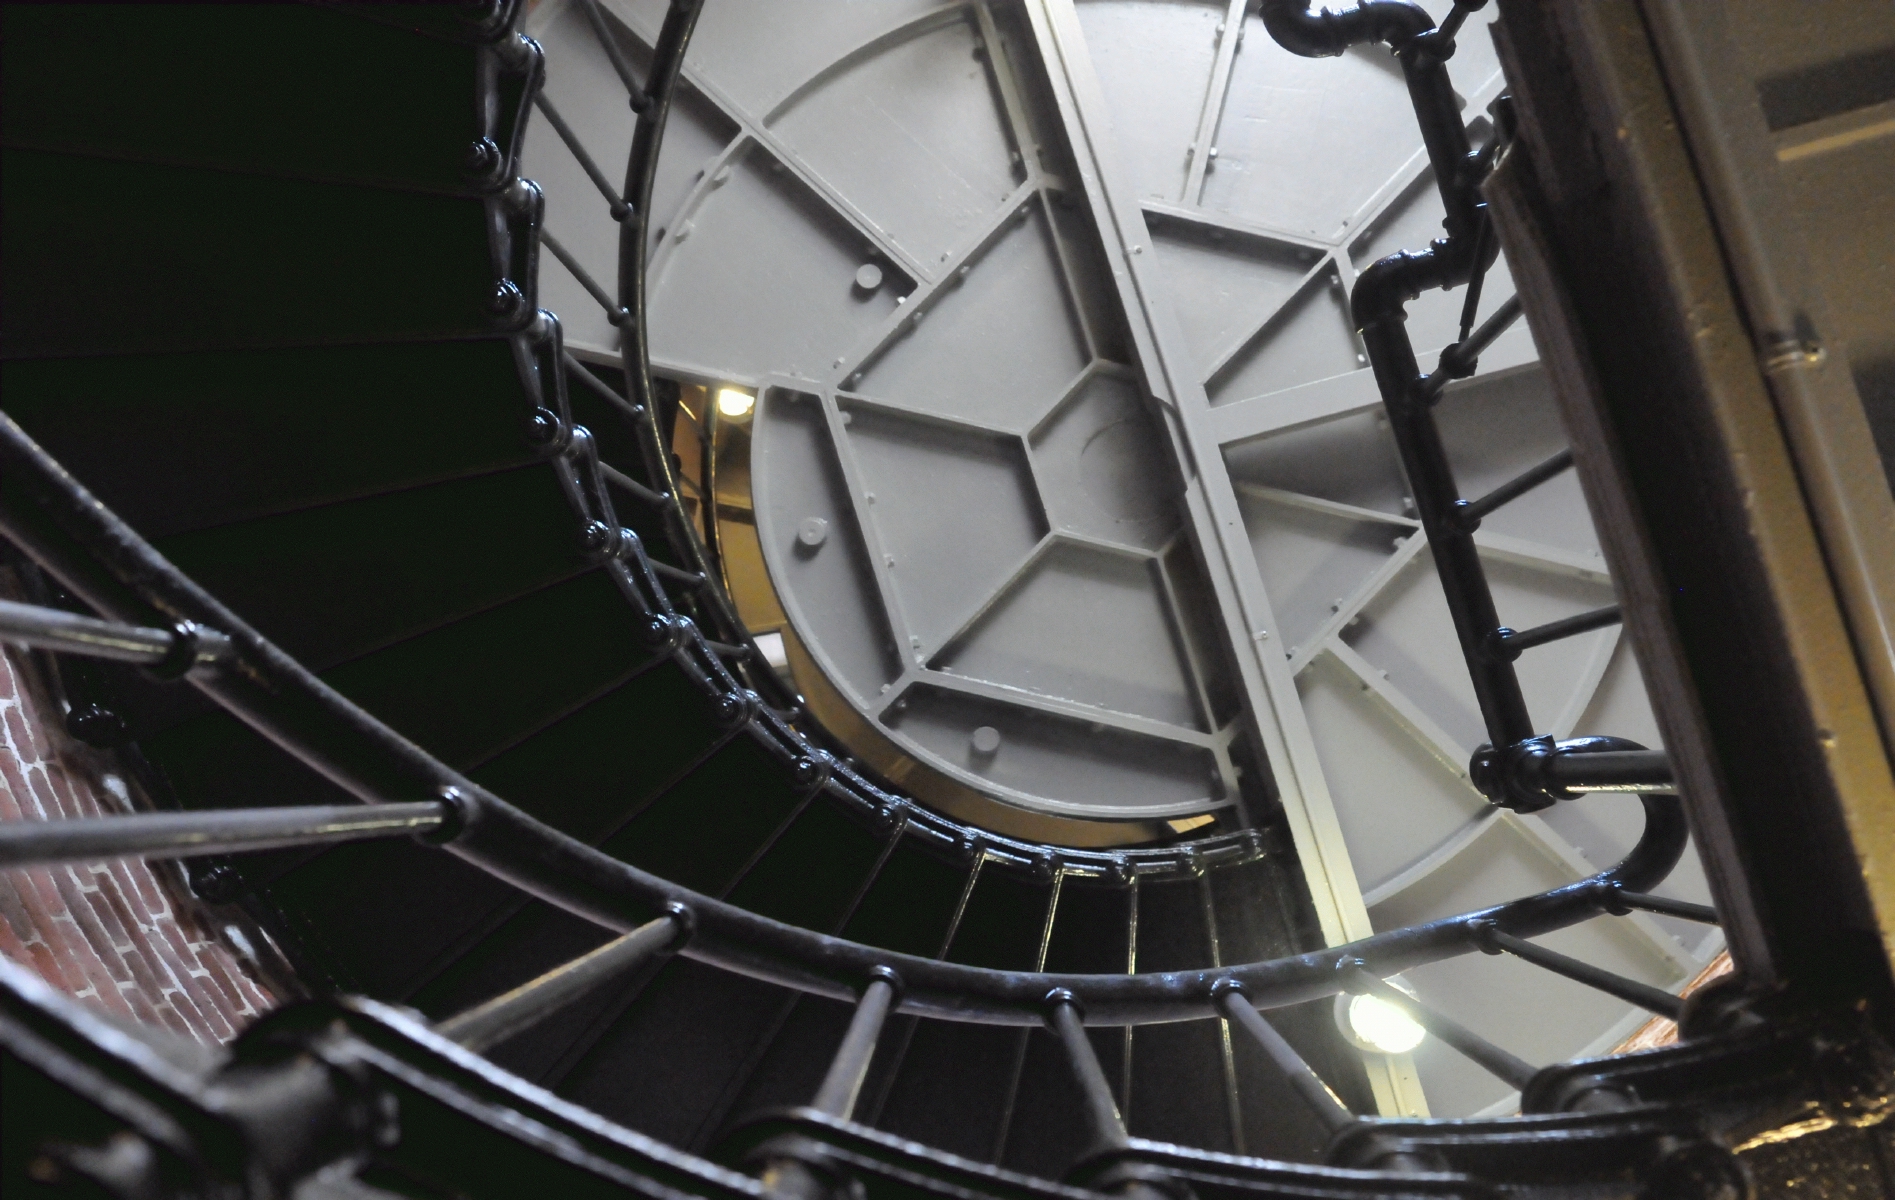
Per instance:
{"type": "Point", "coordinates": [1328, 32]}
{"type": "Point", "coordinates": [1323, 1102]}
{"type": "Point", "coordinates": [1621, 902]}
{"type": "Point", "coordinates": [1611, 771]}
{"type": "Point", "coordinates": [70, 633]}
{"type": "Point", "coordinates": [1511, 643]}
{"type": "Point", "coordinates": [1103, 1121]}
{"type": "Point", "coordinates": [518, 1010]}
{"type": "Point", "coordinates": [637, 95]}
{"type": "Point", "coordinates": [109, 567]}
{"type": "Point", "coordinates": [1468, 513]}
{"type": "Point", "coordinates": [1630, 990]}
{"type": "Point", "coordinates": [1516, 1072]}
{"type": "Point", "coordinates": [613, 312]}
{"type": "Point", "coordinates": [615, 203]}
{"type": "Point", "coordinates": [843, 1082]}
{"type": "Point", "coordinates": [231, 831]}
{"type": "Point", "coordinates": [1378, 297]}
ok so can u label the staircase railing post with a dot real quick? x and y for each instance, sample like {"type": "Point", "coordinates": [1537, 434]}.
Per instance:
{"type": "Point", "coordinates": [515, 1011]}
{"type": "Point", "coordinates": [850, 1067]}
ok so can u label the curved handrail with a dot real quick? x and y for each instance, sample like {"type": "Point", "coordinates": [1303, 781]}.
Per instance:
{"type": "Point", "coordinates": [103, 561]}
{"type": "Point", "coordinates": [284, 701]}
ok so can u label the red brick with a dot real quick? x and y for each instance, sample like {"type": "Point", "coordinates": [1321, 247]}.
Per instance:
{"type": "Point", "coordinates": [135, 923]}
{"type": "Point", "coordinates": [18, 791]}
{"type": "Point", "coordinates": [142, 1007]}
{"type": "Point", "coordinates": [20, 733]}
{"type": "Point", "coordinates": [142, 970]}
{"type": "Point", "coordinates": [115, 935]}
{"type": "Point", "coordinates": [42, 959]}
{"type": "Point", "coordinates": [141, 886]}
{"type": "Point", "coordinates": [231, 999]}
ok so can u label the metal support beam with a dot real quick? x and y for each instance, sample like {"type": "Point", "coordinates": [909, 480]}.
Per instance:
{"type": "Point", "coordinates": [843, 1084]}
{"type": "Point", "coordinates": [514, 1012]}
{"type": "Point", "coordinates": [1103, 1121]}
{"type": "Point", "coordinates": [69, 633]}
{"type": "Point", "coordinates": [1328, 1107]}
{"type": "Point", "coordinates": [189, 834]}
{"type": "Point", "coordinates": [1517, 1072]}
{"type": "Point", "coordinates": [1644, 995]}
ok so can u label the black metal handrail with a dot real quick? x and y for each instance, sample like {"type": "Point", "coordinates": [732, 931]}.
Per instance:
{"type": "Point", "coordinates": [107, 565]}
{"type": "Point", "coordinates": [1509, 769]}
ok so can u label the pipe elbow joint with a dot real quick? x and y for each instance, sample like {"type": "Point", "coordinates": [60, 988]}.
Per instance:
{"type": "Point", "coordinates": [1325, 33]}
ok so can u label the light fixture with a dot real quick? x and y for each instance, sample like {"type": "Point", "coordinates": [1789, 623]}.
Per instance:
{"type": "Point", "coordinates": [733, 403]}
{"type": "Point", "coordinates": [1376, 1025]}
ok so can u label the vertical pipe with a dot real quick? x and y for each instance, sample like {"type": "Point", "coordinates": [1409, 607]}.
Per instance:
{"type": "Point", "coordinates": [1331, 1111]}
{"type": "Point", "coordinates": [850, 1067]}
{"type": "Point", "coordinates": [1102, 1112]}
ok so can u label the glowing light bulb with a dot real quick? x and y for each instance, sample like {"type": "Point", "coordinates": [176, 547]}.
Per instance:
{"type": "Point", "coordinates": [733, 403]}
{"type": "Point", "coordinates": [1382, 1026]}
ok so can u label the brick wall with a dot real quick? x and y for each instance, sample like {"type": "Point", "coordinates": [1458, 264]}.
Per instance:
{"type": "Point", "coordinates": [122, 936]}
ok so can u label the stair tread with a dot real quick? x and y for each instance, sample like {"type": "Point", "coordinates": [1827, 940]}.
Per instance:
{"type": "Point", "coordinates": [112, 257]}
{"type": "Point", "coordinates": [179, 442]}
{"type": "Point", "coordinates": [331, 584]}
{"type": "Point", "coordinates": [297, 90]}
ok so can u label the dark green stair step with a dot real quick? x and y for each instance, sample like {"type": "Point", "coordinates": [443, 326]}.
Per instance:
{"type": "Point", "coordinates": [709, 824]}
{"type": "Point", "coordinates": [179, 442]}
{"type": "Point", "coordinates": [815, 870]}
{"type": "Point", "coordinates": [1178, 1070]}
{"type": "Point", "coordinates": [788, 1068]}
{"type": "Point", "coordinates": [467, 691]}
{"type": "Point", "coordinates": [112, 257]}
{"type": "Point", "coordinates": [911, 905]}
{"type": "Point", "coordinates": [662, 1067]}
{"type": "Point", "coordinates": [1092, 931]}
{"type": "Point", "coordinates": [335, 583]}
{"type": "Point", "coordinates": [956, 1084]}
{"type": "Point", "coordinates": [384, 916]}
{"type": "Point", "coordinates": [285, 89]}
{"type": "Point", "coordinates": [586, 773]}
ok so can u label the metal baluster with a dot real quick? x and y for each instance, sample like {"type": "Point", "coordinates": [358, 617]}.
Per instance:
{"type": "Point", "coordinates": [790, 1177]}
{"type": "Point", "coordinates": [1491, 939]}
{"type": "Point", "coordinates": [1328, 1107]}
{"type": "Point", "coordinates": [1131, 1180]}
{"type": "Point", "coordinates": [1647, 771]}
{"type": "Point", "coordinates": [184, 648]}
{"type": "Point", "coordinates": [190, 834]}
{"type": "Point", "coordinates": [689, 578]}
{"type": "Point", "coordinates": [598, 387]}
{"type": "Point", "coordinates": [1457, 360]}
{"type": "Point", "coordinates": [1102, 1112]}
{"type": "Point", "coordinates": [616, 203]}
{"type": "Point", "coordinates": [639, 99]}
{"type": "Point", "coordinates": [843, 1084]}
{"type": "Point", "coordinates": [613, 312]}
{"type": "Point", "coordinates": [1516, 1072]}
{"type": "Point", "coordinates": [639, 491]}
{"type": "Point", "coordinates": [1510, 643]}
{"type": "Point", "coordinates": [1468, 513]}
{"type": "Point", "coordinates": [1620, 902]}
{"type": "Point", "coordinates": [513, 1012]}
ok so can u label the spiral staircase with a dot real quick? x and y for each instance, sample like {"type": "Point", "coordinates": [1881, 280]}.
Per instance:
{"type": "Point", "coordinates": [620, 916]}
